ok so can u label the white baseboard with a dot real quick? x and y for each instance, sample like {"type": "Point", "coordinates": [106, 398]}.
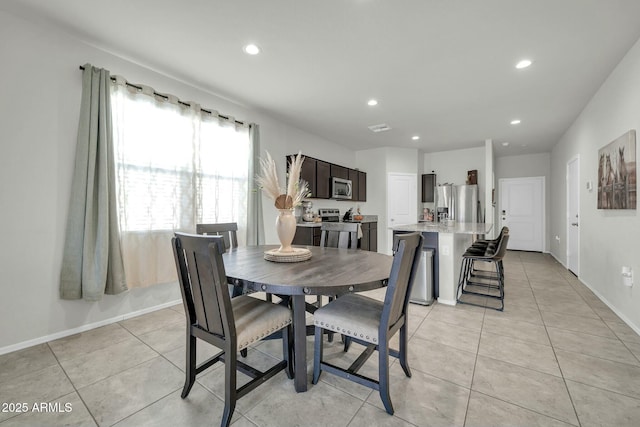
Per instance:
{"type": "Point", "coordinates": [447, 301]}
{"type": "Point", "coordinates": [557, 259]}
{"type": "Point", "coordinates": [83, 328]}
{"type": "Point", "coordinates": [622, 317]}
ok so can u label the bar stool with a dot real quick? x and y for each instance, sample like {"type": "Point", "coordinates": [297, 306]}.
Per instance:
{"type": "Point", "coordinates": [482, 246]}
{"type": "Point", "coordinates": [492, 253]}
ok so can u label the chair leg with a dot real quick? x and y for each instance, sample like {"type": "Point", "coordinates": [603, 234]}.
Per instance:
{"type": "Point", "coordinates": [383, 376]}
{"type": "Point", "coordinates": [190, 358]}
{"type": "Point", "coordinates": [347, 343]}
{"type": "Point", "coordinates": [331, 334]}
{"type": "Point", "coordinates": [403, 349]}
{"type": "Point", "coordinates": [230, 392]}
{"type": "Point", "coordinates": [317, 354]}
{"type": "Point", "coordinates": [286, 351]}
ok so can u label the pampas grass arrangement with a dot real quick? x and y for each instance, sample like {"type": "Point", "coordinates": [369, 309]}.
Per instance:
{"type": "Point", "coordinates": [297, 189]}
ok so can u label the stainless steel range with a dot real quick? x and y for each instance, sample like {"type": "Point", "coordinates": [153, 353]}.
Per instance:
{"type": "Point", "coordinates": [329, 215]}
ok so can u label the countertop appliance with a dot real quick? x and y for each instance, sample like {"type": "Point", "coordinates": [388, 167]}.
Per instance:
{"type": "Point", "coordinates": [329, 215]}
{"type": "Point", "coordinates": [307, 214]}
{"type": "Point", "coordinates": [341, 188]}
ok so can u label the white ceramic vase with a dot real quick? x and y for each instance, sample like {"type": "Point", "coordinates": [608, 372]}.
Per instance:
{"type": "Point", "coordinates": [286, 229]}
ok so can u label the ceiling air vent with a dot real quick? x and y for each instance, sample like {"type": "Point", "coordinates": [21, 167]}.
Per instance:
{"type": "Point", "coordinates": [383, 127]}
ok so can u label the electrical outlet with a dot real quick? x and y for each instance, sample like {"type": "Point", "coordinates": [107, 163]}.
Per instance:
{"type": "Point", "coordinates": [627, 276]}
{"type": "Point", "coordinates": [444, 250]}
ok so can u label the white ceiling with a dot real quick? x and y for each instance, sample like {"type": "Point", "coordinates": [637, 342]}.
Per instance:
{"type": "Point", "coordinates": [441, 69]}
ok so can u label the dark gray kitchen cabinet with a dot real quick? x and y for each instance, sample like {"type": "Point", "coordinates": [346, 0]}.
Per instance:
{"type": "Point", "coordinates": [362, 186]}
{"type": "Point", "coordinates": [428, 187]}
{"type": "Point", "coordinates": [339, 171]}
{"type": "Point", "coordinates": [369, 241]}
{"type": "Point", "coordinates": [323, 180]}
{"type": "Point", "coordinates": [307, 236]}
{"type": "Point", "coordinates": [353, 177]}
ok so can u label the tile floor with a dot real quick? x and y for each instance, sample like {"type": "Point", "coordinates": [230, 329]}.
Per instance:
{"type": "Point", "coordinates": [557, 356]}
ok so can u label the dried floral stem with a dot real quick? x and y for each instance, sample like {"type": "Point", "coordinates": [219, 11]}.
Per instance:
{"type": "Point", "coordinates": [297, 189]}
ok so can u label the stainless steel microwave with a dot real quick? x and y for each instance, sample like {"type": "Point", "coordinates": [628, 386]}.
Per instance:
{"type": "Point", "coordinates": [341, 188]}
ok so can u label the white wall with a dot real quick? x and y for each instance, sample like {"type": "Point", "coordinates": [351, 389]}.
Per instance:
{"type": "Point", "coordinates": [527, 165]}
{"type": "Point", "coordinates": [608, 238]}
{"type": "Point", "coordinates": [452, 166]}
{"type": "Point", "coordinates": [378, 163]}
{"type": "Point", "coordinates": [489, 186]}
{"type": "Point", "coordinates": [39, 110]}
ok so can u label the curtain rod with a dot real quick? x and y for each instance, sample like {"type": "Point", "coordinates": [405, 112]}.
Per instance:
{"type": "Point", "coordinates": [186, 104]}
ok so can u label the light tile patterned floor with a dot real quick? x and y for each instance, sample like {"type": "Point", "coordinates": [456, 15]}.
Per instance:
{"type": "Point", "coordinates": [556, 356]}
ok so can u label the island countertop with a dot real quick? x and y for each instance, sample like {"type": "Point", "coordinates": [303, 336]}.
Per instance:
{"type": "Point", "coordinates": [455, 228]}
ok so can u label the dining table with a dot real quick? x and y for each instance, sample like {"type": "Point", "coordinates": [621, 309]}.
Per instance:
{"type": "Point", "coordinates": [329, 271]}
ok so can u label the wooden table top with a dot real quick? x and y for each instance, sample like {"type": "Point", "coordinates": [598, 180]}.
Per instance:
{"type": "Point", "coordinates": [330, 271]}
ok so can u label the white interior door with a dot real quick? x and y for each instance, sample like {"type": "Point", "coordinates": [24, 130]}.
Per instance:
{"type": "Point", "coordinates": [402, 199]}
{"type": "Point", "coordinates": [573, 215]}
{"type": "Point", "coordinates": [402, 203]}
{"type": "Point", "coordinates": [522, 210]}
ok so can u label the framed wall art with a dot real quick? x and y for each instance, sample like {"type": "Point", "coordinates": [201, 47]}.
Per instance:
{"type": "Point", "coordinates": [617, 173]}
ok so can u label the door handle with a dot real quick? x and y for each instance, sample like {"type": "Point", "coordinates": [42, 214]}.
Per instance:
{"type": "Point", "coordinates": [575, 224]}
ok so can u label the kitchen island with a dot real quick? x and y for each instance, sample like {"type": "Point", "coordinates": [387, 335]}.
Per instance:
{"type": "Point", "coordinates": [449, 243]}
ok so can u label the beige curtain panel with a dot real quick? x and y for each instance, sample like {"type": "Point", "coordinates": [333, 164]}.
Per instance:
{"type": "Point", "coordinates": [92, 261]}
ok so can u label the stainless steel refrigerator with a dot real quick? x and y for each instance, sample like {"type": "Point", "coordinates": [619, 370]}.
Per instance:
{"type": "Point", "coordinates": [459, 202]}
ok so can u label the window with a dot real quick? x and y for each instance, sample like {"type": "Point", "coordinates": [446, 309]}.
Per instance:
{"type": "Point", "coordinates": [175, 166]}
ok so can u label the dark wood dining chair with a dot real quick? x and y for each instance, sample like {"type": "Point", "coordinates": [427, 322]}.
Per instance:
{"type": "Point", "coordinates": [342, 235]}
{"type": "Point", "coordinates": [339, 235]}
{"type": "Point", "coordinates": [228, 230]}
{"type": "Point", "coordinates": [229, 324]}
{"type": "Point", "coordinates": [372, 323]}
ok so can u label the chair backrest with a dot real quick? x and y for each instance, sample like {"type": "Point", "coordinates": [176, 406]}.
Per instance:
{"type": "Point", "coordinates": [228, 230]}
{"type": "Point", "coordinates": [203, 283]}
{"type": "Point", "coordinates": [501, 250]}
{"type": "Point", "coordinates": [407, 249]}
{"type": "Point", "coordinates": [342, 235]}
{"type": "Point", "coordinates": [493, 244]}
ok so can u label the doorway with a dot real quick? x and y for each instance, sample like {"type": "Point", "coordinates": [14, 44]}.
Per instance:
{"type": "Point", "coordinates": [522, 210]}
{"type": "Point", "coordinates": [402, 202]}
{"type": "Point", "coordinates": [573, 215]}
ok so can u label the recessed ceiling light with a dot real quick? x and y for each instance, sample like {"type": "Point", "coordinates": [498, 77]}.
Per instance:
{"type": "Point", "coordinates": [251, 49]}
{"type": "Point", "coordinates": [415, 137]}
{"type": "Point", "coordinates": [515, 122]}
{"type": "Point", "coordinates": [505, 144]}
{"type": "Point", "coordinates": [523, 64]}
{"type": "Point", "coordinates": [372, 102]}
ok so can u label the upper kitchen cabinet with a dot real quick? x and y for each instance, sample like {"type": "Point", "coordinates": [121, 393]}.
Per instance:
{"type": "Point", "coordinates": [339, 171]}
{"type": "Point", "coordinates": [428, 187]}
{"type": "Point", "coordinates": [323, 180]}
{"type": "Point", "coordinates": [318, 175]}
{"type": "Point", "coordinates": [308, 173]}
{"type": "Point", "coordinates": [353, 177]}
{"type": "Point", "coordinates": [362, 186]}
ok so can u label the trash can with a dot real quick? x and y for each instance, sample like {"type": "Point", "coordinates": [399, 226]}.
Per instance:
{"type": "Point", "coordinates": [422, 290]}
